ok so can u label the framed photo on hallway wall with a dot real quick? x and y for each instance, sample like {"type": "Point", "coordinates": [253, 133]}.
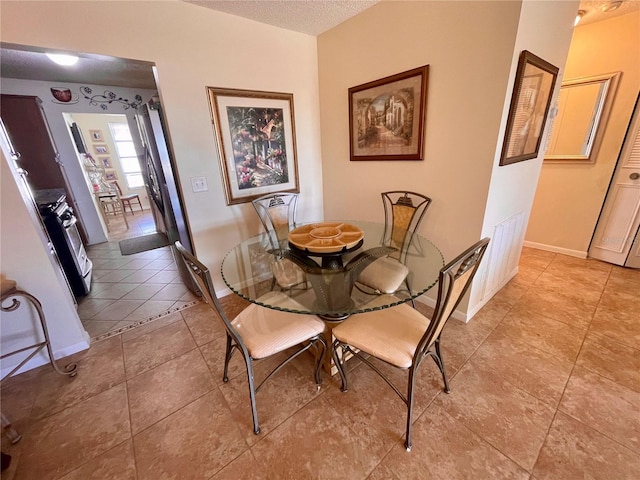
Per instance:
{"type": "Point", "coordinates": [255, 133]}
{"type": "Point", "coordinates": [530, 101]}
{"type": "Point", "coordinates": [387, 117]}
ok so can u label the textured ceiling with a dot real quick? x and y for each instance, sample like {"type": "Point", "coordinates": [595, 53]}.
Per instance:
{"type": "Point", "coordinates": [305, 16]}
{"type": "Point", "coordinates": [310, 17]}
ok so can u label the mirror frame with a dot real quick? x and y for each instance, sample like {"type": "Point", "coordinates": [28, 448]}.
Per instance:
{"type": "Point", "coordinates": [603, 106]}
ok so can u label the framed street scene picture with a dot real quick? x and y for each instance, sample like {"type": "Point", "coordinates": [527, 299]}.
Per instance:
{"type": "Point", "coordinates": [387, 117]}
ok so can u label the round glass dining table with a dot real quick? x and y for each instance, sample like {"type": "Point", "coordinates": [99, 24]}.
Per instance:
{"type": "Point", "coordinates": [327, 286]}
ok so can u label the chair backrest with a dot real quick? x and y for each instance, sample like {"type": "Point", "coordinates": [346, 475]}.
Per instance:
{"type": "Point", "coordinates": [115, 182]}
{"type": "Point", "coordinates": [453, 282]}
{"type": "Point", "coordinates": [202, 278]}
{"type": "Point", "coordinates": [403, 213]}
{"type": "Point", "coordinates": [277, 212]}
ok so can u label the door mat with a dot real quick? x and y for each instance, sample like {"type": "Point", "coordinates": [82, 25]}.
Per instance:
{"type": "Point", "coordinates": [129, 246]}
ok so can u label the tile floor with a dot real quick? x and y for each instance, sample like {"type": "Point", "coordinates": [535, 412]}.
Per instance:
{"type": "Point", "coordinates": [129, 290]}
{"type": "Point", "coordinates": [545, 385]}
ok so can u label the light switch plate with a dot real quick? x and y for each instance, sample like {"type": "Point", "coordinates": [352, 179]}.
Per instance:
{"type": "Point", "coordinates": [199, 184]}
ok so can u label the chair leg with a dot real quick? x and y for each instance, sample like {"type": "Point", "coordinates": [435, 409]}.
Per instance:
{"type": "Point", "coordinates": [440, 363]}
{"type": "Point", "coordinates": [320, 356]}
{"type": "Point", "coordinates": [339, 366]}
{"type": "Point", "coordinates": [227, 358]}
{"type": "Point", "coordinates": [252, 396]}
{"type": "Point", "coordinates": [412, 381]}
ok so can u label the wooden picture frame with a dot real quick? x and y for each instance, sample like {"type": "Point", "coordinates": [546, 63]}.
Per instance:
{"type": "Point", "coordinates": [101, 149]}
{"type": "Point", "coordinates": [111, 175]}
{"type": "Point", "coordinates": [255, 133]}
{"type": "Point", "coordinates": [387, 117]}
{"type": "Point", "coordinates": [96, 135]}
{"type": "Point", "coordinates": [530, 102]}
{"type": "Point", "coordinates": [106, 162]}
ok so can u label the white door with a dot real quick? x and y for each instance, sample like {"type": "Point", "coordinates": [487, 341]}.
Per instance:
{"type": "Point", "coordinates": [617, 228]}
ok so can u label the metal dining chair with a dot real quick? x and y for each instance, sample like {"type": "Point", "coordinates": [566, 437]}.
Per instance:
{"type": "Point", "coordinates": [259, 332]}
{"type": "Point", "coordinates": [401, 336]}
{"type": "Point", "coordinates": [277, 212]}
{"type": "Point", "coordinates": [403, 214]}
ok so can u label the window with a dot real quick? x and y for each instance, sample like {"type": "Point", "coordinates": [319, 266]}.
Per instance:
{"type": "Point", "coordinates": [127, 154]}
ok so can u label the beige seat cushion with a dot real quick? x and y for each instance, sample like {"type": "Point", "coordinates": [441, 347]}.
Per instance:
{"type": "Point", "coordinates": [391, 334]}
{"type": "Point", "coordinates": [385, 275]}
{"type": "Point", "coordinates": [266, 331]}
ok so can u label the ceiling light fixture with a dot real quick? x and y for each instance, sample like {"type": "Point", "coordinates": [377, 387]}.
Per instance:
{"type": "Point", "coordinates": [579, 17]}
{"type": "Point", "coordinates": [611, 6]}
{"type": "Point", "coordinates": [62, 59]}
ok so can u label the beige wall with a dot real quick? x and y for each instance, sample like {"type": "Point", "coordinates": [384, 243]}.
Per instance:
{"type": "Point", "coordinates": [193, 47]}
{"type": "Point", "coordinates": [569, 197]}
{"type": "Point", "coordinates": [472, 49]}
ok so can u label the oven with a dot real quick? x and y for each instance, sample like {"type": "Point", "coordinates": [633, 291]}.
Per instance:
{"type": "Point", "coordinates": [60, 222]}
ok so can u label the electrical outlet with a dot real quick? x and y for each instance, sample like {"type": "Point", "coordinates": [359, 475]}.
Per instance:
{"type": "Point", "coordinates": [199, 184]}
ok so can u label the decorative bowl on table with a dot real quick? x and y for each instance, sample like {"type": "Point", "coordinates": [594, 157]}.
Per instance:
{"type": "Point", "coordinates": [326, 237]}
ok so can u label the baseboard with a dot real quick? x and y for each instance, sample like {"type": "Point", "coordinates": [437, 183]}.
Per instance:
{"type": "Point", "coordinates": [553, 248]}
{"type": "Point", "coordinates": [42, 358]}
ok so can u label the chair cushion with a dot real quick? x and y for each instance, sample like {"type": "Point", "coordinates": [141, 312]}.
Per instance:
{"type": "Point", "coordinates": [391, 334]}
{"type": "Point", "coordinates": [384, 275]}
{"type": "Point", "coordinates": [266, 331]}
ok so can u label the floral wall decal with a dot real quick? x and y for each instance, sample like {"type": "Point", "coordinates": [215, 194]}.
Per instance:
{"type": "Point", "coordinates": [107, 98]}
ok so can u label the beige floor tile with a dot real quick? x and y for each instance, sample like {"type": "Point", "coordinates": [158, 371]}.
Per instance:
{"type": "Point", "coordinates": [115, 291]}
{"type": "Point", "coordinates": [611, 409]}
{"type": "Point", "coordinates": [556, 305]}
{"type": "Point", "coordinates": [118, 463]}
{"type": "Point", "coordinates": [624, 280]}
{"type": "Point", "coordinates": [151, 326]}
{"type": "Point", "coordinates": [99, 368]}
{"type": "Point", "coordinates": [214, 352]}
{"type": "Point", "coordinates": [194, 443]}
{"type": "Point", "coordinates": [245, 467]}
{"type": "Point", "coordinates": [442, 447]}
{"type": "Point", "coordinates": [617, 318]}
{"type": "Point", "coordinates": [529, 369]}
{"type": "Point", "coordinates": [314, 443]}
{"type": "Point", "coordinates": [62, 442]}
{"type": "Point", "coordinates": [574, 450]}
{"type": "Point", "coordinates": [166, 388]}
{"type": "Point", "coordinates": [96, 328]}
{"type": "Point", "coordinates": [143, 292]}
{"type": "Point", "coordinates": [612, 360]}
{"type": "Point", "coordinates": [571, 286]}
{"type": "Point", "coordinates": [118, 310]}
{"type": "Point", "coordinates": [505, 416]}
{"type": "Point", "coordinates": [156, 347]}
{"type": "Point", "coordinates": [373, 410]}
{"type": "Point", "coordinates": [538, 331]}
{"type": "Point", "coordinates": [150, 308]}
{"type": "Point", "coordinates": [172, 291]}
{"type": "Point", "coordinates": [279, 398]}
{"type": "Point", "coordinates": [204, 323]}
{"type": "Point", "coordinates": [88, 307]}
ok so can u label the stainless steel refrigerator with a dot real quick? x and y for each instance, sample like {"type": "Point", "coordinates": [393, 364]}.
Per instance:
{"type": "Point", "coordinates": [158, 170]}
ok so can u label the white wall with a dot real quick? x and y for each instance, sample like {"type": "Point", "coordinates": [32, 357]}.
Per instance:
{"type": "Point", "coordinates": [569, 197]}
{"type": "Point", "coordinates": [472, 49]}
{"type": "Point", "coordinates": [544, 29]}
{"type": "Point", "coordinates": [54, 111]}
{"type": "Point", "coordinates": [25, 259]}
{"type": "Point", "coordinates": [193, 47]}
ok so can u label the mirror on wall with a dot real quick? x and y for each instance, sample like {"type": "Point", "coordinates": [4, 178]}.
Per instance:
{"type": "Point", "coordinates": [583, 108]}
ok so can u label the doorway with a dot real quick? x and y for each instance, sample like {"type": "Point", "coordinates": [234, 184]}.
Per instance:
{"type": "Point", "coordinates": [616, 237]}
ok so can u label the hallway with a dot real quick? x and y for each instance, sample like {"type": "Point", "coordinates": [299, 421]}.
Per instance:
{"type": "Point", "coordinates": [130, 290]}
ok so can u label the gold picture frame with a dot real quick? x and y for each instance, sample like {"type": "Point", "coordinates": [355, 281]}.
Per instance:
{"type": "Point", "coordinates": [530, 102]}
{"type": "Point", "coordinates": [255, 132]}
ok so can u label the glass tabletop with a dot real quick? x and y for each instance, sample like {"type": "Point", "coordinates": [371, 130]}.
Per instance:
{"type": "Point", "coordinates": [327, 285]}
